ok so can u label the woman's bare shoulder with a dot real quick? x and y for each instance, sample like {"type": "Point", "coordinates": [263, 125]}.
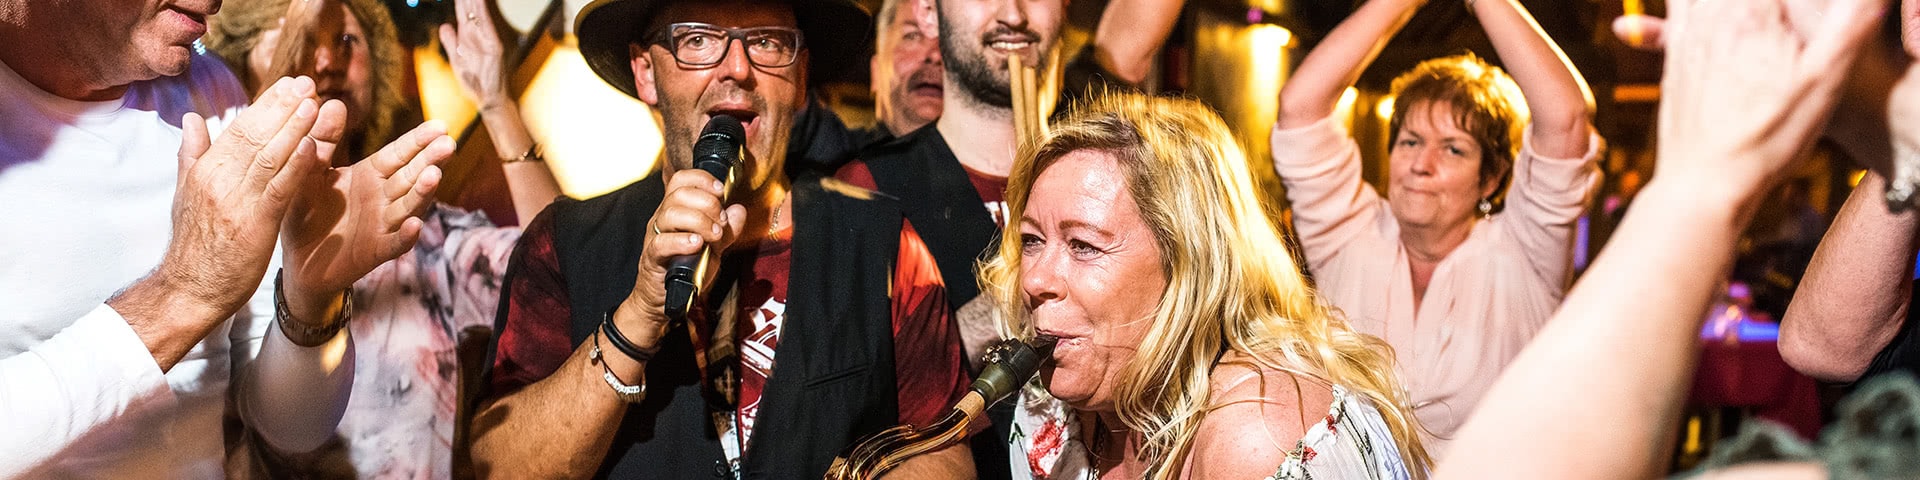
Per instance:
{"type": "Point", "coordinates": [1258, 414]}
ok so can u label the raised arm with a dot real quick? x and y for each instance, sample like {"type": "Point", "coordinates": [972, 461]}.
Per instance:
{"type": "Point", "coordinates": [1854, 296]}
{"type": "Point", "coordinates": [1333, 65]}
{"type": "Point", "coordinates": [1745, 92]}
{"type": "Point", "coordinates": [1131, 32]}
{"type": "Point", "coordinates": [1561, 104]}
{"type": "Point", "coordinates": [473, 47]}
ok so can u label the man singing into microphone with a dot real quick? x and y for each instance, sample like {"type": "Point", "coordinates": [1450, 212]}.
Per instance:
{"type": "Point", "coordinates": [589, 376]}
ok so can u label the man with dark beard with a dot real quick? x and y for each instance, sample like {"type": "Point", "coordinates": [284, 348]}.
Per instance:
{"type": "Point", "coordinates": [953, 194]}
{"type": "Point", "coordinates": [949, 176]}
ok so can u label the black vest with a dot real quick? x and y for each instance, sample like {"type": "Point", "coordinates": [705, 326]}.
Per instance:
{"type": "Point", "coordinates": [935, 193]}
{"type": "Point", "coordinates": [834, 375]}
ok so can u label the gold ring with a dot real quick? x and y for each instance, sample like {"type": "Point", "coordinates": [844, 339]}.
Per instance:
{"type": "Point", "coordinates": [656, 229]}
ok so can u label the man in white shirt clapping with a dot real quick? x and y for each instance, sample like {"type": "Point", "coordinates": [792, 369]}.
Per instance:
{"type": "Point", "coordinates": [123, 334]}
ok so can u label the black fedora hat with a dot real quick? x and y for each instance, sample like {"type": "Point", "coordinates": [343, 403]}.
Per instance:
{"type": "Point", "coordinates": [836, 32]}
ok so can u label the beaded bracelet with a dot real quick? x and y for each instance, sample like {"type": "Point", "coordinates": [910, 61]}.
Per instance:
{"type": "Point", "coordinates": [627, 393]}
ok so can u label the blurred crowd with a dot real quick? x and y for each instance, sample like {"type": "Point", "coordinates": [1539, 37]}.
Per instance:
{"type": "Point", "coordinates": [230, 254]}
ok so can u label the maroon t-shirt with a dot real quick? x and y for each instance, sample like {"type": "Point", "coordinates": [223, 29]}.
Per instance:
{"type": "Point", "coordinates": [929, 370]}
{"type": "Point", "coordinates": [992, 192]}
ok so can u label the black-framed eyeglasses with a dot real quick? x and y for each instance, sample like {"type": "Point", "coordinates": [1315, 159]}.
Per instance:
{"type": "Point", "coordinates": [706, 45]}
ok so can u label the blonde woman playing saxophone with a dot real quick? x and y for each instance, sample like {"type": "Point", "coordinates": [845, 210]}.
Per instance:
{"type": "Point", "coordinates": [1190, 344]}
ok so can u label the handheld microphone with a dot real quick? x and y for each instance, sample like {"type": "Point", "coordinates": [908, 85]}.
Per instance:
{"type": "Point", "coordinates": [717, 151]}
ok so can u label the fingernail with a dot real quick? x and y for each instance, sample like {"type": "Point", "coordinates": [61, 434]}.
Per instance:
{"type": "Point", "coordinates": [716, 229]}
{"type": "Point", "coordinates": [717, 186]}
{"type": "Point", "coordinates": [306, 109]}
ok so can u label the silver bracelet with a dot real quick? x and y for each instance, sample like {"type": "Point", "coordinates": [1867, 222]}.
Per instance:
{"type": "Point", "coordinates": [627, 393]}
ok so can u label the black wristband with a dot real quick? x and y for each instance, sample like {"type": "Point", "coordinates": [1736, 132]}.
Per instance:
{"type": "Point", "coordinates": [619, 341]}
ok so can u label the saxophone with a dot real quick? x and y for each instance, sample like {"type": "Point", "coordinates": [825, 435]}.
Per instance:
{"type": "Point", "coordinates": [1009, 364]}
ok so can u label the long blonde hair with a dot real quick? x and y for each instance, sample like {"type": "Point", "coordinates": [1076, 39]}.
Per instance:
{"type": "Point", "coordinates": [1231, 284]}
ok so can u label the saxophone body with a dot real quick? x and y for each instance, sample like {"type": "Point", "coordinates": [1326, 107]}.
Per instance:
{"type": "Point", "coordinates": [1009, 364]}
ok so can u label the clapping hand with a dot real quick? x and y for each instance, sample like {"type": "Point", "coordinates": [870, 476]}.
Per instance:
{"type": "Point", "coordinates": [351, 219]}
{"type": "Point", "coordinates": [1745, 93]}
{"type": "Point", "coordinates": [227, 208]}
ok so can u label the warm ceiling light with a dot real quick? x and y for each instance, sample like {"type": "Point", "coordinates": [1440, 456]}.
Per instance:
{"type": "Point", "coordinates": [596, 139]}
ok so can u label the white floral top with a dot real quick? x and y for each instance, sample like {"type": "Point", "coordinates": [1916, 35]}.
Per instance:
{"type": "Point", "coordinates": [1353, 442]}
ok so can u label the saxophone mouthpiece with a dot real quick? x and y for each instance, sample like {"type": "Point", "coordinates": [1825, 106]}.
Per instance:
{"type": "Point", "coordinates": [1009, 364]}
{"type": "Point", "coordinates": [1044, 341]}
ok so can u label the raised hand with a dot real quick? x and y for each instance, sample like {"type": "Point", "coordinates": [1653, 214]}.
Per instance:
{"type": "Point", "coordinates": [352, 219]}
{"type": "Point", "coordinates": [231, 197]}
{"type": "Point", "coordinates": [1748, 84]}
{"type": "Point", "coordinates": [691, 217]}
{"type": "Point", "coordinates": [1866, 115]}
{"type": "Point", "coordinates": [473, 47]}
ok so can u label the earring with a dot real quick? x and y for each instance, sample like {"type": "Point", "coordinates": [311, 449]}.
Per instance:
{"type": "Point", "coordinates": [1486, 207]}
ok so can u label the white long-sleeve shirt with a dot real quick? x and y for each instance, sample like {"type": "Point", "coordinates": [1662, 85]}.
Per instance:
{"type": "Point", "coordinates": [86, 190]}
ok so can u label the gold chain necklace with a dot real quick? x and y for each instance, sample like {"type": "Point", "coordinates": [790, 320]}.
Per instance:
{"type": "Point", "coordinates": [773, 224]}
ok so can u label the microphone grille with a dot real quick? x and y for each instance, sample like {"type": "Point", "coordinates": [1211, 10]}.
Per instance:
{"type": "Point", "coordinates": [719, 143]}
{"type": "Point", "coordinates": [725, 125]}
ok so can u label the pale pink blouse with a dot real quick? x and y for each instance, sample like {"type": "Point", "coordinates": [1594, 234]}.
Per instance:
{"type": "Point", "coordinates": [1486, 299]}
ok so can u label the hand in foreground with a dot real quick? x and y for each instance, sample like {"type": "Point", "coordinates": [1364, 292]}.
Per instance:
{"type": "Point", "coordinates": [351, 219]}
{"type": "Point", "coordinates": [1861, 124]}
{"type": "Point", "coordinates": [231, 197]}
{"type": "Point", "coordinates": [1748, 84]}
{"type": "Point", "coordinates": [690, 218]}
